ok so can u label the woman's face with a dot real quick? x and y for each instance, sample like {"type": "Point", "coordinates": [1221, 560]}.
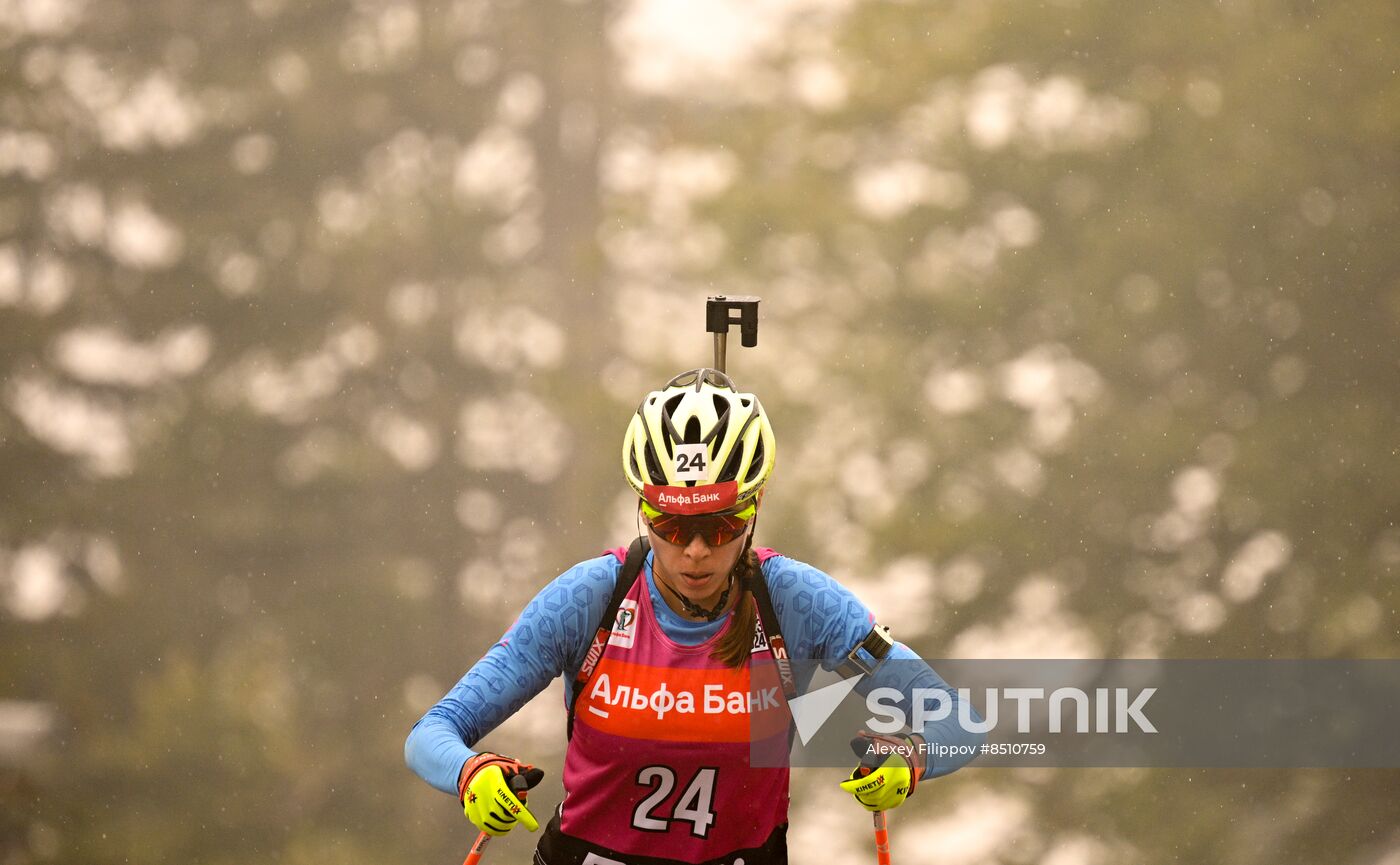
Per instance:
{"type": "Point", "coordinates": [696, 570]}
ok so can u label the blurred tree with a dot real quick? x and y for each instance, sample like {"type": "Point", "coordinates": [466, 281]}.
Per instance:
{"type": "Point", "coordinates": [252, 287]}
{"type": "Point", "coordinates": [319, 322]}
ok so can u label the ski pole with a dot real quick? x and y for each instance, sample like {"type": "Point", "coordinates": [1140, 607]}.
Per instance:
{"type": "Point", "coordinates": [519, 786]}
{"type": "Point", "coordinates": [478, 849]}
{"type": "Point", "coordinates": [870, 762]}
{"type": "Point", "coordinates": [882, 839]}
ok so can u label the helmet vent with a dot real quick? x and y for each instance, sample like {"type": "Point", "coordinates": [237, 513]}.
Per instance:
{"type": "Point", "coordinates": [654, 466]}
{"type": "Point", "coordinates": [669, 434]}
{"type": "Point", "coordinates": [692, 431]}
{"type": "Point", "coordinates": [755, 467]}
{"type": "Point", "coordinates": [731, 466]}
{"type": "Point", "coordinates": [716, 436]}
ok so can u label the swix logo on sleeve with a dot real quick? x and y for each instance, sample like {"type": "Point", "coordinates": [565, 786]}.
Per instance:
{"type": "Point", "coordinates": [625, 625]}
{"type": "Point", "coordinates": [595, 654]}
{"type": "Point", "coordinates": [692, 500]}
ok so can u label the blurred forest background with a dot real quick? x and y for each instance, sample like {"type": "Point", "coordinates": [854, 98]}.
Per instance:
{"type": "Point", "coordinates": [320, 324]}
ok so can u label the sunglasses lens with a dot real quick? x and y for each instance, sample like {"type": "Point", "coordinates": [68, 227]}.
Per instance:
{"type": "Point", "coordinates": [714, 529]}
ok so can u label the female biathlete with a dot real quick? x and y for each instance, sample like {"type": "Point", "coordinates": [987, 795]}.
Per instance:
{"type": "Point", "coordinates": [660, 660]}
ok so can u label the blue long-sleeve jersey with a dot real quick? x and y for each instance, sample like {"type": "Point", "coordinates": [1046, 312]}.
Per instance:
{"type": "Point", "coordinates": [820, 620]}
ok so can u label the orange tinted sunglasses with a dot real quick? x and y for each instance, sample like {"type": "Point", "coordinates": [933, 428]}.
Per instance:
{"type": "Point", "coordinates": [715, 530]}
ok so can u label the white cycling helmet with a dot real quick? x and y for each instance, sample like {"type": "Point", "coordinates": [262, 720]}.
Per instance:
{"type": "Point", "coordinates": [699, 446]}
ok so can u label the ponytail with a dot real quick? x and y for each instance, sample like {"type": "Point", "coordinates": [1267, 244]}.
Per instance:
{"type": "Point", "coordinates": [737, 643]}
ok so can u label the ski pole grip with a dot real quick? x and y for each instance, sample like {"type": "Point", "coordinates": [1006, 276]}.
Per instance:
{"type": "Point", "coordinates": [869, 761]}
{"type": "Point", "coordinates": [521, 782]}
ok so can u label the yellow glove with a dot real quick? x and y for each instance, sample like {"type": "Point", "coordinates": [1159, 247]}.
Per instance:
{"type": "Point", "coordinates": [890, 769]}
{"type": "Point", "coordinates": [488, 788]}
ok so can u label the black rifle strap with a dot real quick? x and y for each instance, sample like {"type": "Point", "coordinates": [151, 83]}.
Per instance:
{"type": "Point", "coordinates": [631, 567]}
{"type": "Point", "coordinates": [878, 643]}
{"type": "Point", "coordinates": [768, 617]}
